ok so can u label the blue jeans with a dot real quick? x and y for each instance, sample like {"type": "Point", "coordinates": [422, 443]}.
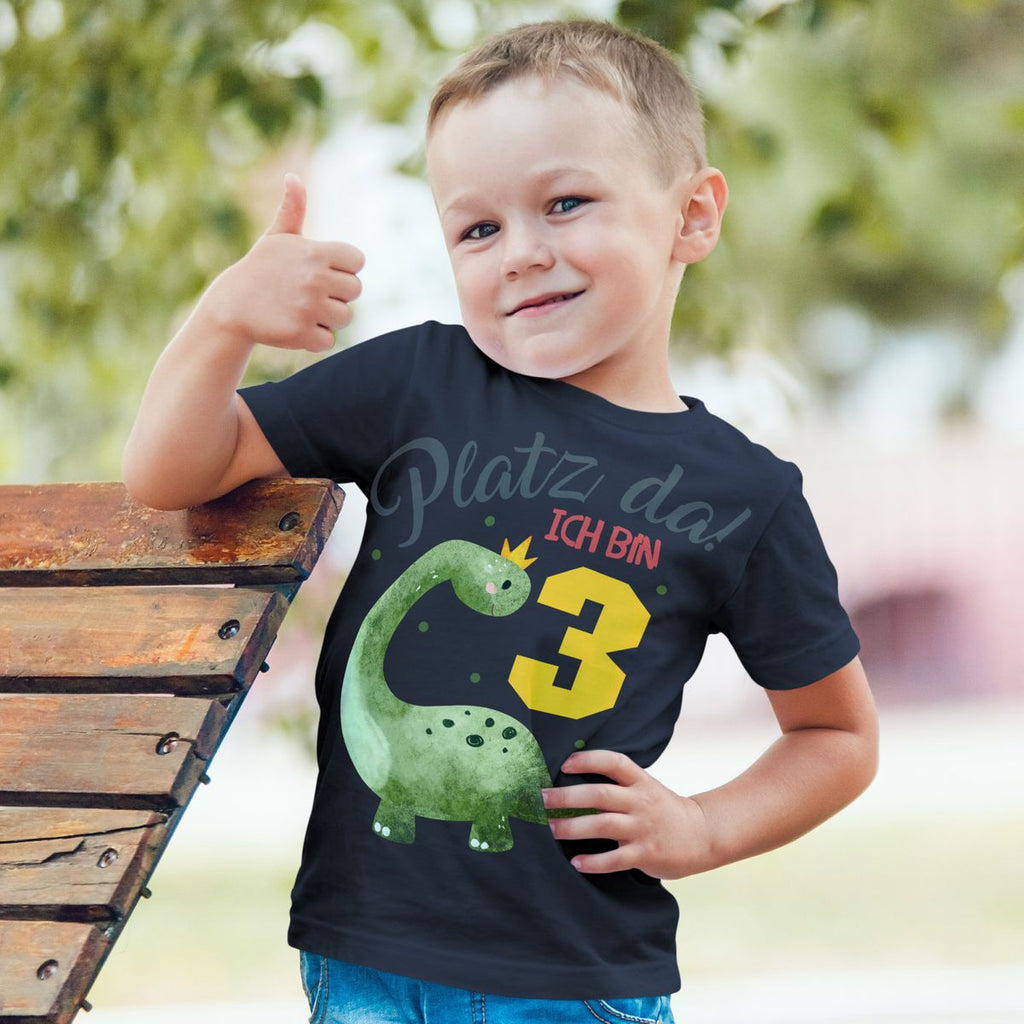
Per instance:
{"type": "Point", "coordinates": [343, 993]}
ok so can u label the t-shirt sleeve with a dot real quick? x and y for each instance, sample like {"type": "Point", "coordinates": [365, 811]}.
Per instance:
{"type": "Point", "coordinates": [784, 618]}
{"type": "Point", "coordinates": [335, 418]}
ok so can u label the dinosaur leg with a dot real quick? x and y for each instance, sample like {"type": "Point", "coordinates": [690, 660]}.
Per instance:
{"type": "Point", "coordinates": [396, 822]}
{"type": "Point", "coordinates": [491, 835]}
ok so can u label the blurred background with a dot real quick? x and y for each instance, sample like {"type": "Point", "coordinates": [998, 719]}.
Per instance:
{"type": "Point", "coordinates": [862, 316]}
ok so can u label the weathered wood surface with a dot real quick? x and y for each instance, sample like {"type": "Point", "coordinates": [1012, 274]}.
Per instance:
{"type": "Point", "coordinates": [85, 865]}
{"type": "Point", "coordinates": [105, 751]}
{"type": "Point", "coordinates": [121, 669]}
{"type": "Point", "coordinates": [269, 531]}
{"type": "Point", "coordinates": [179, 639]}
{"type": "Point", "coordinates": [46, 968]}
{"type": "Point", "coordinates": [22, 825]}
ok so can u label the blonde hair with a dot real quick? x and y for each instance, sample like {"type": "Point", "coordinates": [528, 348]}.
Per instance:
{"type": "Point", "coordinates": [635, 70]}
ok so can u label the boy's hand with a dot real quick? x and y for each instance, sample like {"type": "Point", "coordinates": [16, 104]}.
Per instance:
{"type": "Point", "coordinates": [287, 291]}
{"type": "Point", "coordinates": [658, 831]}
{"type": "Point", "coordinates": [826, 756]}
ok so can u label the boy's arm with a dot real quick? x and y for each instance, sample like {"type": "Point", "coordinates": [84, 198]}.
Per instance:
{"type": "Point", "coordinates": [194, 438]}
{"type": "Point", "coordinates": [827, 755]}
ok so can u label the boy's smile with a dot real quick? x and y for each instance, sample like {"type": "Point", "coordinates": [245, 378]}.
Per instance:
{"type": "Point", "coordinates": [542, 303]}
{"type": "Point", "coordinates": [563, 241]}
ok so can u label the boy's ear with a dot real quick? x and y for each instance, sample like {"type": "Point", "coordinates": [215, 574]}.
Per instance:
{"type": "Point", "coordinates": [704, 200]}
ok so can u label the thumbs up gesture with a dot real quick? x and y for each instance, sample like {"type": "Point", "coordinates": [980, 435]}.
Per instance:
{"type": "Point", "coordinates": [288, 291]}
{"type": "Point", "coordinates": [292, 211]}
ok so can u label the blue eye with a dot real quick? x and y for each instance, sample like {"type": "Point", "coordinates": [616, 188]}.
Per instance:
{"type": "Point", "coordinates": [480, 231]}
{"type": "Point", "coordinates": [567, 204]}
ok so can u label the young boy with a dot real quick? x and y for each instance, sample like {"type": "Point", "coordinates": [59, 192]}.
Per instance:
{"type": "Point", "coordinates": [552, 534]}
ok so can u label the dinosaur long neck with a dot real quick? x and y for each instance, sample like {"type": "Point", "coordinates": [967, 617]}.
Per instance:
{"type": "Point", "coordinates": [365, 684]}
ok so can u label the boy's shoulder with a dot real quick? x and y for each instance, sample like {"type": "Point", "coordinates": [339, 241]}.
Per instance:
{"type": "Point", "coordinates": [428, 332]}
{"type": "Point", "coordinates": [433, 350]}
{"type": "Point", "coordinates": [729, 442]}
{"type": "Point", "coordinates": [403, 353]}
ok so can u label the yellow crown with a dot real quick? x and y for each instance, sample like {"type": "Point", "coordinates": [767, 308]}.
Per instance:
{"type": "Point", "coordinates": [519, 555]}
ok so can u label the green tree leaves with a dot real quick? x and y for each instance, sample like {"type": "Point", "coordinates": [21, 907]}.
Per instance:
{"type": "Point", "coordinates": [874, 163]}
{"type": "Point", "coordinates": [874, 149]}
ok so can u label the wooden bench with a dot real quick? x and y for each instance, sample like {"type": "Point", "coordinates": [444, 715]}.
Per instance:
{"type": "Point", "coordinates": [128, 640]}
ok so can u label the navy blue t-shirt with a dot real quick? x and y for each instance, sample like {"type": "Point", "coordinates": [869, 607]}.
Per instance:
{"type": "Point", "coordinates": [539, 573]}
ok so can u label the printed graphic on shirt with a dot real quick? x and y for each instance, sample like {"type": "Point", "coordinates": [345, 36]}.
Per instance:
{"type": "Point", "coordinates": [446, 445]}
{"type": "Point", "coordinates": [598, 680]}
{"type": "Point", "coordinates": [422, 472]}
{"type": "Point", "coordinates": [449, 762]}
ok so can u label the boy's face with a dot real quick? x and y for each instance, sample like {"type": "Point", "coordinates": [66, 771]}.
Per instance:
{"type": "Point", "coordinates": [561, 237]}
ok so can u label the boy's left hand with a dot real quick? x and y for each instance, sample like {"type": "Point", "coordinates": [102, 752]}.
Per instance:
{"type": "Point", "coordinates": [658, 831]}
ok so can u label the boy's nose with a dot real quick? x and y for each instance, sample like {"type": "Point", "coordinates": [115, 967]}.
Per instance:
{"type": "Point", "coordinates": [523, 252]}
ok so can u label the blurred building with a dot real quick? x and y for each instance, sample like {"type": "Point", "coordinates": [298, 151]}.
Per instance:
{"type": "Point", "coordinates": [929, 541]}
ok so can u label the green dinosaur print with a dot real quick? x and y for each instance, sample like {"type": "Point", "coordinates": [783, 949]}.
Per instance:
{"type": "Point", "coordinates": [453, 762]}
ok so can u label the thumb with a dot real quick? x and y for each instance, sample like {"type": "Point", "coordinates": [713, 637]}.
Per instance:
{"type": "Point", "coordinates": [292, 211]}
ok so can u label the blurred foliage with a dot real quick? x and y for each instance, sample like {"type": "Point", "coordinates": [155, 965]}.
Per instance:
{"type": "Point", "coordinates": [875, 153]}
{"type": "Point", "coordinates": [874, 149]}
{"type": "Point", "coordinates": [129, 130]}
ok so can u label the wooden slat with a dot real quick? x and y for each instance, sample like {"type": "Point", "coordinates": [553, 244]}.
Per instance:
{"type": "Point", "coordinates": [47, 994]}
{"type": "Point", "coordinates": [18, 825]}
{"type": "Point", "coordinates": [130, 639]}
{"type": "Point", "coordinates": [102, 750]}
{"type": "Point", "coordinates": [94, 677]}
{"type": "Point", "coordinates": [268, 531]}
{"type": "Point", "coordinates": [85, 865]}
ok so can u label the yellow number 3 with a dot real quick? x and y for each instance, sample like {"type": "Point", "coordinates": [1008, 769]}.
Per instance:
{"type": "Point", "coordinates": [619, 627]}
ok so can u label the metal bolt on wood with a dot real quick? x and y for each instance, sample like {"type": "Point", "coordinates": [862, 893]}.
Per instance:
{"type": "Point", "coordinates": [289, 521]}
{"type": "Point", "coordinates": [107, 858]}
{"type": "Point", "coordinates": [229, 629]}
{"type": "Point", "coordinates": [167, 743]}
{"type": "Point", "coordinates": [47, 970]}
